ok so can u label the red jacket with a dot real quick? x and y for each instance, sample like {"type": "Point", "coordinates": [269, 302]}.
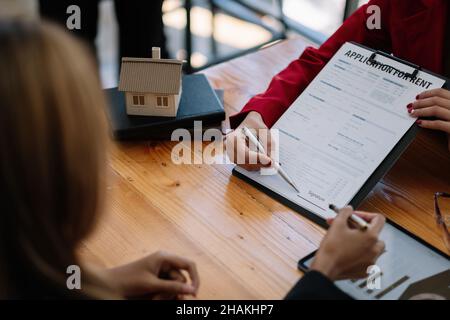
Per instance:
{"type": "Point", "coordinates": [413, 30]}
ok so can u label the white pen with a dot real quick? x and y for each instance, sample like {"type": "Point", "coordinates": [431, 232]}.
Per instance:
{"type": "Point", "coordinates": [360, 222]}
{"type": "Point", "coordinates": [276, 165]}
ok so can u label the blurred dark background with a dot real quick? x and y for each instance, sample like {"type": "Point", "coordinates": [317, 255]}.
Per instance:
{"type": "Point", "coordinates": [219, 29]}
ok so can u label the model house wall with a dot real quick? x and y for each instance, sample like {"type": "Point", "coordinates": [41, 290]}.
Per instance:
{"type": "Point", "coordinates": [151, 104]}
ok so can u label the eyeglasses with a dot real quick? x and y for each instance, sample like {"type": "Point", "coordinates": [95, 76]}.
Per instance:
{"type": "Point", "coordinates": [443, 217]}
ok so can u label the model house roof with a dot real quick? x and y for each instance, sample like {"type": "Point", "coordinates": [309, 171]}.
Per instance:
{"type": "Point", "coordinates": [141, 75]}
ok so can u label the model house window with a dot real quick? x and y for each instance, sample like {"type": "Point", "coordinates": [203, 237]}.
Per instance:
{"type": "Point", "coordinates": [162, 101]}
{"type": "Point", "coordinates": [139, 100]}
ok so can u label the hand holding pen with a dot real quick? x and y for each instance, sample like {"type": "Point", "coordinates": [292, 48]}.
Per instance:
{"type": "Point", "coordinates": [253, 139]}
{"type": "Point", "coordinates": [356, 220]}
{"type": "Point", "coordinates": [238, 148]}
{"type": "Point", "coordinates": [346, 251]}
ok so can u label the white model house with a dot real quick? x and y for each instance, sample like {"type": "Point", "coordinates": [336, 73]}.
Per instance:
{"type": "Point", "coordinates": [152, 86]}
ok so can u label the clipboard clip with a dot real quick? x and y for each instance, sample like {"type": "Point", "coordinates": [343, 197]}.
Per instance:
{"type": "Point", "coordinates": [389, 56]}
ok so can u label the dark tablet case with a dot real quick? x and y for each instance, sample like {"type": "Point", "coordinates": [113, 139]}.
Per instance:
{"type": "Point", "coordinates": [199, 102]}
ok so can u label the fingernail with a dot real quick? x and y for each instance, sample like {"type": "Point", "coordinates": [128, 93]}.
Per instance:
{"type": "Point", "coordinates": [410, 110]}
{"type": "Point", "coordinates": [418, 97]}
{"type": "Point", "coordinates": [409, 106]}
{"type": "Point", "coordinates": [189, 289]}
{"type": "Point", "coordinates": [419, 122]}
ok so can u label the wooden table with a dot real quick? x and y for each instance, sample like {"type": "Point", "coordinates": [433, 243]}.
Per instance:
{"type": "Point", "coordinates": [246, 245]}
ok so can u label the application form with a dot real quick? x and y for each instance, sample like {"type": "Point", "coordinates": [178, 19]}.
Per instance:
{"type": "Point", "coordinates": [342, 127]}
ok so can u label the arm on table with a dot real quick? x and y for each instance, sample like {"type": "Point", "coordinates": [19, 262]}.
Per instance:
{"type": "Point", "coordinates": [316, 286]}
{"type": "Point", "coordinates": [286, 86]}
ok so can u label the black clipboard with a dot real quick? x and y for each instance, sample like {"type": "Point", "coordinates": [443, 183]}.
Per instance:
{"type": "Point", "coordinates": [379, 172]}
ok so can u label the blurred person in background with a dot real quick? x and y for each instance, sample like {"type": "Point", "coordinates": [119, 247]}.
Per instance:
{"type": "Point", "coordinates": [53, 142]}
{"type": "Point", "coordinates": [18, 9]}
{"type": "Point", "coordinates": [140, 23]}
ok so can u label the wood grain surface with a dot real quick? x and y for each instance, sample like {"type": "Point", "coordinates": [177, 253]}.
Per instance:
{"type": "Point", "coordinates": [246, 245]}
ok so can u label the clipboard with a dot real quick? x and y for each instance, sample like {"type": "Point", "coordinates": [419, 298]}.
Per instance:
{"type": "Point", "coordinates": [379, 172]}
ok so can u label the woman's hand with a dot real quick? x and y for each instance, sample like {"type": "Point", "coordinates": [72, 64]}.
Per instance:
{"type": "Point", "coordinates": [237, 145]}
{"type": "Point", "coordinates": [433, 103]}
{"type": "Point", "coordinates": [346, 252]}
{"type": "Point", "coordinates": [158, 276]}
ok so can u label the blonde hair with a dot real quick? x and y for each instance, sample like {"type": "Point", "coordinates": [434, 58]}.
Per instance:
{"type": "Point", "coordinates": [52, 142]}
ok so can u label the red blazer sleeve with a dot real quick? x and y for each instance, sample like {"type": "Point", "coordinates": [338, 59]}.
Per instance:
{"type": "Point", "coordinates": [286, 86]}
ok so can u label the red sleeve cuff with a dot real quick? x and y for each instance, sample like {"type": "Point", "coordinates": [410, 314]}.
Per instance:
{"type": "Point", "coordinates": [263, 107]}
{"type": "Point", "coordinates": [236, 119]}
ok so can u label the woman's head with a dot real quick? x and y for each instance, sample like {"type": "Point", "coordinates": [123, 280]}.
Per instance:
{"type": "Point", "coordinates": [52, 154]}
